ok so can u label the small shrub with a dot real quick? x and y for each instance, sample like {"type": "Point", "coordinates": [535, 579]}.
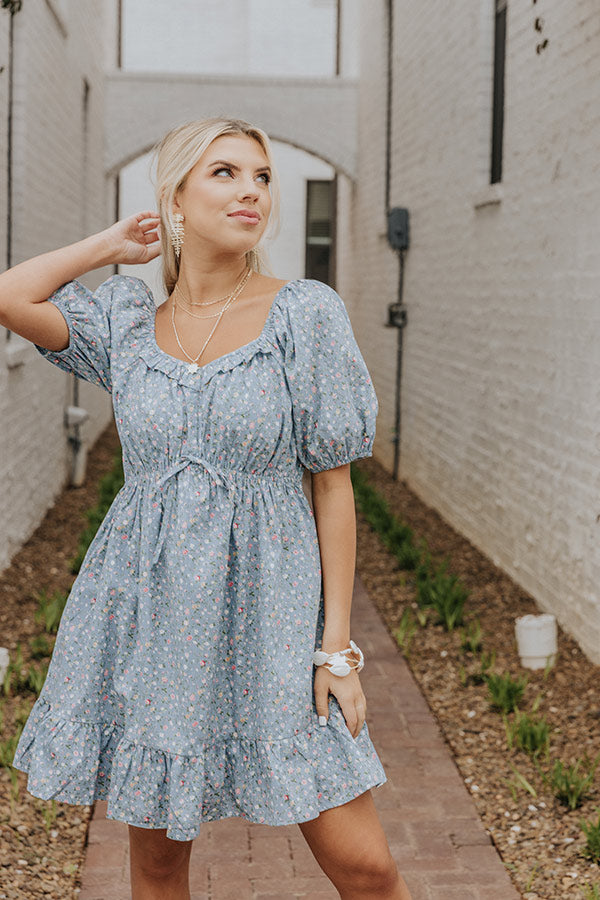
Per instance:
{"type": "Point", "coordinates": [396, 535]}
{"type": "Point", "coordinates": [13, 677]}
{"type": "Point", "coordinates": [407, 556]}
{"type": "Point", "coordinates": [568, 784]}
{"type": "Point", "coordinates": [405, 631]}
{"type": "Point", "coordinates": [486, 661]}
{"type": "Point", "coordinates": [471, 637]}
{"type": "Point", "coordinates": [519, 781]}
{"type": "Point", "coordinates": [7, 754]}
{"type": "Point", "coordinates": [445, 594]}
{"type": "Point", "coordinates": [528, 733]}
{"type": "Point", "coordinates": [40, 647]}
{"type": "Point", "coordinates": [591, 892]}
{"type": "Point", "coordinates": [50, 609]}
{"type": "Point", "coordinates": [36, 677]}
{"type": "Point", "coordinates": [505, 692]}
{"type": "Point", "coordinates": [591, 850]}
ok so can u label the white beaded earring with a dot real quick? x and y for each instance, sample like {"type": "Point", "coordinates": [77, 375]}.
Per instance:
{"type": "Point", "coordinates": [177, 233]}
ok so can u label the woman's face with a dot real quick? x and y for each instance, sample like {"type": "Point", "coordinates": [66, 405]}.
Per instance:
{"type": "Point", "coordinates": [226, 199]}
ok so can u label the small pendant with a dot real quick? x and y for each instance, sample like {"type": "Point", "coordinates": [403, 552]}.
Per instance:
{"type": "Point", "coordinates": [193, 367]}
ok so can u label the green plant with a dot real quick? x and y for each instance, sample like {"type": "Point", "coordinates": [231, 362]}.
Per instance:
{"type": "Point", "coordinates": [519, 781]}
{"type": "Point", "coordinates": [532, 877]}
{"type": "Point", "coordinates": [528, 733]}
{"type": "Point", "coordinates": [109, 487]}
{"type": "Point", "coordinates": [591, 891]}
{"type": "Point", "coordinates": [505, 692]}
{"type": "Point", "coordinates": [486, 662]}
{"type": "Point", "coordinates": [407, 556]}
{"type": "Point", "coordinates": [405, 631]}
{"type": "Point", "coordinates": [49, 814]}
{"type": "Point", "coordinates": [13, 677]}
{"type": "Point", "coordinates": [422, 617]}
{"type": "Point", "coordinates": [39, 646]}
{"type": "Point", "coordinates": [7, 754]}
{"type": "Point", "coordinates": [396, 535]}
{"type": "Point", "coordinates": [50, 609]}
{"type": "Point", "coordinates": [445, 594]}
{"type": "Point", "coordinates": [471, 637]}
{"type": "Point", "coordinates": [591, 850]}
{"type": "Point", "coordinates": [36, 678]}
{"type": "Point", "coordinates": [570, 785]}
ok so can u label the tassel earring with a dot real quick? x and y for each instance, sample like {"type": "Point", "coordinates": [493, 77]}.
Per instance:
{"type": "Point", "coordinates": [177, 233]}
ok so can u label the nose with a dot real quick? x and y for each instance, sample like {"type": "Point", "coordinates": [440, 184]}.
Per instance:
{"type": "Point", "coordinates": [248, 188]}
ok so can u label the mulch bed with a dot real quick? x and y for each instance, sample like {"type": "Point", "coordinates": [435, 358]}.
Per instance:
{"type": "Point", "coordinates": [40, 857]}
{"type": "Point", "coordinates": [538, 839]}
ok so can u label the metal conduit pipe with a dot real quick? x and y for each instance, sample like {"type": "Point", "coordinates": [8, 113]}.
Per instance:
{"type": "Point", "coordinates": [398, 239]}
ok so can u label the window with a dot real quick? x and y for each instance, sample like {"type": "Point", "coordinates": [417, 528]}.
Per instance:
{"type": "Point", "coordinates": [320, 228]}
{"type": "Point", "coordinates": [498, 90]}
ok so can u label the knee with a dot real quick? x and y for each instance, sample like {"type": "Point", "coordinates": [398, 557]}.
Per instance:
{"type": "Point", "coordinates": [374, 873]}
{"type": "Point", "coordinates": [161, 866]}
{"type": "Point", "coordinates": [160, 860]}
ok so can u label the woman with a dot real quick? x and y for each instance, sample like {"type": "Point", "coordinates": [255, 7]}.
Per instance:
{"type": "Point", "coordinates": [183, 686]}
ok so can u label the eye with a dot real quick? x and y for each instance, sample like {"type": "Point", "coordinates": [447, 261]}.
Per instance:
{"type": "Point", "coordinates": [266, 176]}
{"type": "Point", "coordinates": [223, 169]}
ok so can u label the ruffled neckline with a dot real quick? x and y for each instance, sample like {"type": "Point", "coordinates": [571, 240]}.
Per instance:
{"type": "Point", "coordinates": [179, 369]}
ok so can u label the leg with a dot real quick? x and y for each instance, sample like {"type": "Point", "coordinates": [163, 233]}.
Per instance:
{"type": "Point", "coordinates": [349, 844]}
{"type": "Point", "coordinates": [159, 867]}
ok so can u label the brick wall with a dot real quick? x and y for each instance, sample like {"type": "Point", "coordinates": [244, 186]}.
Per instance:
{"type": "Point", "coordinates": [500, 396]}
{"type": "Point", "coordinates": [59, 195]}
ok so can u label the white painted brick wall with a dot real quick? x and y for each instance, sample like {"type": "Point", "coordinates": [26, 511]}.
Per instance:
{"type": "Point", "coordinates": [49, 186]}
{"type": "Point", "coordinates": [500, 389]}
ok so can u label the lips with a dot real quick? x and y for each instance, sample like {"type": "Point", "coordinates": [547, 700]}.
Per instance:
{"type": "Point", "coordinates": [246, 215]}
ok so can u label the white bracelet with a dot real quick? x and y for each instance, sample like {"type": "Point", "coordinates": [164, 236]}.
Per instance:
{"type": "Point", "coordinates": [338, 663]}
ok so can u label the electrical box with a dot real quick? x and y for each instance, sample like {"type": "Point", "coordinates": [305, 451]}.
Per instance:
{"type": "Point", "coordinates": [398, 228]}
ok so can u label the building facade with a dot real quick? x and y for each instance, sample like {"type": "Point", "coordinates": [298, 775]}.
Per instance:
{"type": "Point", "coordinates": [500, 379]}
{"type": "Point", "coordinates": [53, 55]}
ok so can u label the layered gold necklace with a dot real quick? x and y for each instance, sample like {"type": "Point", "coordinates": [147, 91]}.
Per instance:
{"type": "Point", "coordinates": [228, 299]}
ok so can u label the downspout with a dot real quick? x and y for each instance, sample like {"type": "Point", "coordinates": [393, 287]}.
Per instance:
{"type": "Point", "coordinates": [397, 224]}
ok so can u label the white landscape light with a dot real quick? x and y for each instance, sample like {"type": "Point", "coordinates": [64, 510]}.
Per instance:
{"type": "Point", "coordinates": [4, 662]}
{"type": "Point", "coordinates": [536, 640]}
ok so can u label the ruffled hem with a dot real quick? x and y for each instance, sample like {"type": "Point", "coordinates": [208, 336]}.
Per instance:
{"type": "Point", "coordinates": [268, 782]}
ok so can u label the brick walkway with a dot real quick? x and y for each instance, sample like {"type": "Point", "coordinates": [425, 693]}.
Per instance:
{"type": "Point", "coordinates": [429, 817]}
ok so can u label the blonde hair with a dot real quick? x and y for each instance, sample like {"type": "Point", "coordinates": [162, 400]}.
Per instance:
{"type": "Point", "coordinates": [175, 156]}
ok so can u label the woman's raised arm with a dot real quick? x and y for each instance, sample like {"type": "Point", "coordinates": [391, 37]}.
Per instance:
{"type": "Point", "coordinates": [25, 287]}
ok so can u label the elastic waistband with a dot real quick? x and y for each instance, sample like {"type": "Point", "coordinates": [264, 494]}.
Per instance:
{"type": "Point", "coordinates": [229, 478]}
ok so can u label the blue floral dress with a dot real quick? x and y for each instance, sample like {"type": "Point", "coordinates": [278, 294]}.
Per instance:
{"type": "Point", "coordinates": [181, 684]}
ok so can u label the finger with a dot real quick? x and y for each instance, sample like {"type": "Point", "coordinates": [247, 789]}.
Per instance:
{"type": "Point", "coordinates": [361, 716]}
{"type": "Point", "coordinates": [151, 237]}
{"type": "Point", "coordinates": [149, 214]}
{"type": "Point", "coordinates": [322, 704]}
{"type": "Point", "coordinates": [153, 252]}
{"type": "Point", "coordinates": [351, 720]}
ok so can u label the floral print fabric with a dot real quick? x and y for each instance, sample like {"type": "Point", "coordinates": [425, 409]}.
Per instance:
{"type": "Point", "coordinates": [181, 684]}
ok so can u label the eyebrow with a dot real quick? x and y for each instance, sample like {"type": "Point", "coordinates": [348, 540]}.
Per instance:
{"type": "Point", "coordinates": [223, 162]}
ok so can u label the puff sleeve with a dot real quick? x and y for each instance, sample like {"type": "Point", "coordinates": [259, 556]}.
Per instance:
{"type": "Point", "coordinates": [334, 405]}
{"type": "Point", "coordinates": [87, 315]}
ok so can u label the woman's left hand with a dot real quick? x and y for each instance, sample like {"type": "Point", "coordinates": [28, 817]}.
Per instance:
{"type": "Point", "coordinates": [347, 691]}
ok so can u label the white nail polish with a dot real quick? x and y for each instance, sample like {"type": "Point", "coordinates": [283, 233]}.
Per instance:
{"type": "Point", "coordinates": [322, 720]}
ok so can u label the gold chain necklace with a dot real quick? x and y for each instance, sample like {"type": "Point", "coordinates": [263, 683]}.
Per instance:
{"type": "Point", "coordinates": [243, 278]}
{"type": "Point", "coordinates": [236, 291]}
{"type": "Point", "coordinates": [193, 366]}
